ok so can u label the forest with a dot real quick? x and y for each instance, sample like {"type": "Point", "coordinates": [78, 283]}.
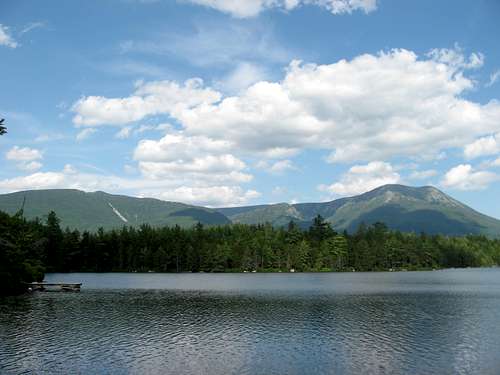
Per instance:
{"type": "Point", "coordinates": [30, 248]}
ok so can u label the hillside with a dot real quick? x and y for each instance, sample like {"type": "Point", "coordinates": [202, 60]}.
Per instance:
{"type": "Point", "coordinates": [416, 209]}
{"type": "Point", "coordinates": [409, 209]}
{"type": "Point", "coordinates": [89, 211]}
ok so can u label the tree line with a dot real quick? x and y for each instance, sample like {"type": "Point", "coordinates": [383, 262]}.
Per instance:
{"type": "Point", "coordinates": [31, 247]}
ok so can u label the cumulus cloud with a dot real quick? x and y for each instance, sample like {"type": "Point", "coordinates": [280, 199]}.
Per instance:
{"type": "Point", "coordinates": [157, 97]}
{"type": "Point", "coordinates": [85, 134]}
{"type": "Point", "coordinates": [373, 107]}
{"type": "Point", "coordinates": [17, 153]}
{"type": "Point", "coordinates": [456, 58]}
{"type": "Point", "coordinates": [363, 178]}
{"type": "Point", "coordinates": [464, 177]}
{"type": "Point", "coordinates": [27, 159]}
{"type": "Point", "coordinates": [178, 147]}
{"type": "Point", "coordinates": [197, 158]}
{"type": "Point", "coordinates": [5, 38]}
{"type": "Point", "coordinates": [251, 8]}
{"type": "Point", "coordinates": [483, 146]}
{"type": "Point", "coordinates": [214, 196]}
{"type": "Point", "coordinates": [39, 180]}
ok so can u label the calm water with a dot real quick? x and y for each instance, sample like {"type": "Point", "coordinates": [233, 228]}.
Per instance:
{"type": "Point", "coordinates": [442, 322]}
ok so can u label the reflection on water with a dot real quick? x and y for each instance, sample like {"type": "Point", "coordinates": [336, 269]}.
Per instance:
{"type": "Point", "coordinates": [379, 323]}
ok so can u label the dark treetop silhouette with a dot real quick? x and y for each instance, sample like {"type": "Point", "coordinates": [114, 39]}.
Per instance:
{"type": "Point", "coordinates": [3, 129]}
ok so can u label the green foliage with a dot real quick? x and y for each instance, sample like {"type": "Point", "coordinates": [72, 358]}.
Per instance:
{"type": "Point", "coordinates": [21, 253]}
{"type": "Point", "coordinates": [27, 247]}
{"type": "Point", "coordinates": [403, 208]}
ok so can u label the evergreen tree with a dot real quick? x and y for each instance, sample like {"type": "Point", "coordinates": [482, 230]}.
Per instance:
{"type": "Point", "coordinates": [3, 129]}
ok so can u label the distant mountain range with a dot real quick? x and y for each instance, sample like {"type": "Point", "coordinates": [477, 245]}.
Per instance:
{"type": "Point", "coordinates": [415, 209]}
{"type": "Point", "coordinates": [409, 209]}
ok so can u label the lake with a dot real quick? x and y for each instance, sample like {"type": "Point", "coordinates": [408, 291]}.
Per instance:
{"type": "Point", "coordinates": [440, 322]}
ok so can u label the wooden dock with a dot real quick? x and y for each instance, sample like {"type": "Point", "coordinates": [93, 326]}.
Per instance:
{"type": "Point", "coordinates": [54, 287]}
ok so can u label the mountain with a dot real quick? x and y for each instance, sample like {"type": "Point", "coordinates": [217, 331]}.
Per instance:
{"type": "Point", "coordinates": [89, 211]}
{"type": "Point", "coordinates": [409, 209]}
{"type": "Point", "coordinates": [416, 209]}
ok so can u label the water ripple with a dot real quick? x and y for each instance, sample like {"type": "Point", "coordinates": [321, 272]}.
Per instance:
{"type": "Point", "coordinates": [257, 331]}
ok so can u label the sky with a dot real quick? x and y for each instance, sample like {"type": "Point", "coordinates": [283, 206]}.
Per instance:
{"type": "Point", "coordinates": [227, 103]}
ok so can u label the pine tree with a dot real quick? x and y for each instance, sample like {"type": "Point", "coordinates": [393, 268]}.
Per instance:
{"type": "Point", "coordinates": [3, 129]}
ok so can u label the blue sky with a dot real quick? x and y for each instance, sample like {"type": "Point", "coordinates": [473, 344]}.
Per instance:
{"type": "Point", "coordinates": [220, 102]}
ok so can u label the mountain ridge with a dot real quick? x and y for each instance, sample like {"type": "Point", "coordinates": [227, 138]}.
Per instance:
{"type": "Point", "coordinates": [406, 208]}
{"type": "Point", "coordinates": [92, 210]}
{"type": "Point", "coordinates": [400, 207]}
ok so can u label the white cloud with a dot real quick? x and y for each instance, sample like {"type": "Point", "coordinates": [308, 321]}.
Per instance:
{"type": "Point", "coordinates": [124, 132]}
{"type": "Point", "coordinates": [251, 8]}
{"type": "Point", "coordinates": [38, 180]}
{"type": "Point", "coordinates": [243, 76]}
{"type": "Point", "coordinates": [178, 147]}
{"type": "Point", "coordinates": [363, 178]}
{"type": "Point", "coordinates": [455, 58]}
{"type": "Point", "coordinates": [84, 134]}
{"type": "Point", "coordinates": [32, 26]}
{"type": "Point", "coordinates": [464, 177]}
{"type": "Point", "coordinates": [277, 167]}
{"type": "Point", "coordinates": [345, 6]}
{"type": "Point", "coordinates": [240, 9]}
{"type": "Point", "coordinates": [373, 107]}
{"type": "Point", "coordinates": [489, 145]}
{"type": "Point", "coordinates": [26, 158]}
{"type": "Point", "coordinates": [17, 153]}
{"type": "Point", "coordinates": [5, 37]}
{"type": "Point", "coordinates": [213, 45]}
{"type": "Point", "coordinates": [496, 162]}
{"type": "Point", "coordinates": [263, 119]}
{"type": "Point", "coordinates": [494, 78]}
{"type": "Point", "coordinates": [157, 97]}
{"type": "Point", "coordinates": [422, 175]}
{"type": "Point", "coordinates": [213, 196]}
{"type": "Point", "coordinates": [69, 169]}
{"type": "Point", "coordinates": [196, 158]}
{"type": "Point", "coordinates": [127, 131]}
{"type": "Point", "coordinates": [30, 166]}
